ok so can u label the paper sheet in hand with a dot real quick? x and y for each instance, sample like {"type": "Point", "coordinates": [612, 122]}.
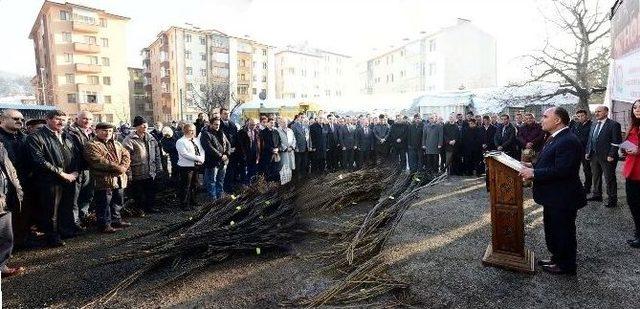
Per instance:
{"type": "Point", "coordinates": [627, 146]}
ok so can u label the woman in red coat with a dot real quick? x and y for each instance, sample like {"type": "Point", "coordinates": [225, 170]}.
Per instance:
{"type": "Point", "coordinates": [632, 172]}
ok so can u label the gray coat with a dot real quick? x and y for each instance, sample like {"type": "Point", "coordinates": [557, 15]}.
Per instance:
{"type": "Point", "coordinates": [13, 199]}
{"type": "Point", "coordinates": [301, 132]}
{"type": "Point", "coordinates": [432, 138]}
{"type": "Point", "coordinates": [381, 132]}
{"type": "Point", "coordinates": [145, 156]}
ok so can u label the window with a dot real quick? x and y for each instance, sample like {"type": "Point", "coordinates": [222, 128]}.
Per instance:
{"type": "Point", "coordinates": [189, 70]}
{"type": "Point", "coordinates": [203, 72]}
{"type": "Point", "coordinates": [93, 80]}
{"type": "Point", "coordinates": [264, 52]}
{"type": "Point", "coordinates": [92, 97]}
{"type": "Point", "coordinates": [71, 79]}
{"type": "Point", "coordinates": [137, 85]}
{"type": "Point", "coordinates": [264, 65]}
{"type": "Point", "coordinates": [189, 87]}
{"type": "Point", "coordinates": [327, 93]}
{"type": "Point", "coordinates": [109, 117]}
{"type": "Point", "coordinates": [432, 69]}
{"type": "Point", "coordinates": [203, 56]}
{"type": "Point", "coordinates": [203, 40]}
{"type": "Point", "coordinates": [187, 54]}
{"type": "Point", "coordinates": [68, 58]}
{"type": "Point", "coordinates": [432, 45]}
{"type": "Point", "coordinates": [187, 38]}
{"type": "Point", "coordinates": [292, 71]}
{"type": "Point", "coordinates": [107, 99]}
{"type": "Point", "coordinates": [105, 61]}
{"type": "Point", "coordinates": [189, 118]}
{"type": "Point", "coordinates": [264, 79]}
{"type": "Point", "coordinates": [90, 39]}
{"type": "Point", "coordinates": [66, 36]}
{"type": "Point", "coordinates": [203, 88]}
{"type": "Point", "coordinates": [65, 15]}
{"type": "Point", "coordinates": [93, 59]}
{"type": "Point", "coordinates": [254, 90]}
{"type": "Point", "coordinates": [242, 63]}
{"type": "Point", "coordinates": [72, 98]}
{"type": "Point", "coordinates": [253, 64]}
{"type": "Point", "coordinates": [106, 80]}
{"type": "Point", "coordinates": [105, 42]}
{"type": "Point", "coordinates": [254, 78]}
{"type": "Point", "coordinates": [221, 57]}
{"type": "Point", "coordinates": [242, 77]}
{"type": "Point", "coordinates": [103, 22]}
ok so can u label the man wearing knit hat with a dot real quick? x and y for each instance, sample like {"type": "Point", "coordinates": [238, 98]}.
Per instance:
{"type": "Point", "coordinates": [145, 165]}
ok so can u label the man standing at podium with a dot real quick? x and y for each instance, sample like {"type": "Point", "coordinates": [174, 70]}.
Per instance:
{"type": "Point", "coordinates": [557, 187]}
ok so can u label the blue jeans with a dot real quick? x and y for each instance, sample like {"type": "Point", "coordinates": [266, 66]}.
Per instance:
{"type": "Point", "coordinates": [108, 205]}
{"type": "Point", "coordinates": [83, 196]}
{"type": "Point", "coordinates": [214, 180]}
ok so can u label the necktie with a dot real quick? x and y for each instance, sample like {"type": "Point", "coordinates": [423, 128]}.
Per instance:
{"type": "Point", "coordinates": [596, 131]}
{"type": "Point", "coordinates": [195, 147]}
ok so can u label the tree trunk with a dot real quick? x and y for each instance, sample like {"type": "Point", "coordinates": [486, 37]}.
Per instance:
{"type": "Point", "coordinates": [583, 102]}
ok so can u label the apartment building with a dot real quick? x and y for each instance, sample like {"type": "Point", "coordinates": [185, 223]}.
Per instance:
{"type": "Point", "coordinates": [184, 64]}
{"type": "Point", "coordinates": [457, 57]}
{"type": "Point", "coordinates": [139, 99]}
{"type": "Point", "coordinates": [81, 60]}
{"type": "Point", "coordinates": [303, 72]}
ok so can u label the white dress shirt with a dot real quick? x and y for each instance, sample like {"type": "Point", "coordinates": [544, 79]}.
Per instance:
{"type": "Point", "coordinates": [187, 152]}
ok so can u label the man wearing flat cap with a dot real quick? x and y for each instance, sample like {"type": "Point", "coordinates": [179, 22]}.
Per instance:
{"type": "Point", "coordinates": [108, 163]}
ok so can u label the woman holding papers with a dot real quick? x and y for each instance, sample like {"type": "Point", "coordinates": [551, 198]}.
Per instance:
{"type": "Point", "coordinates": [632, 170]}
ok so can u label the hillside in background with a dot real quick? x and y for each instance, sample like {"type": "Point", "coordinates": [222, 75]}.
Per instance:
{"type": "Point", "coordinates": [14, 85]}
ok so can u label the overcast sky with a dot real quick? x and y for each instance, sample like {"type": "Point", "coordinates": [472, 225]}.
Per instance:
{"type": "Point", "coordinates": [352, 27]}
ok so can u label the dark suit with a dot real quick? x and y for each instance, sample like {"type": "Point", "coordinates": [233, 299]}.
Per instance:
{"type": "Point", "coordinates": [317, 142]}
{"type": "Point", "coordinates": [364, 142]}
{"type": "Point", "coordinates": [557, 187]}
{"type": "Point", "coordinates": [582, 130]}
{"type": "Point", "coordinates": [347, 140]}
{"type": "Point", "coordinates": [506, 138]}
{"type": "Point", "coordinates": [234, 167]}
{"type": "Point", "coordinates": [599, 148]}
{"type": "Point", "coordinates": [333, 153]}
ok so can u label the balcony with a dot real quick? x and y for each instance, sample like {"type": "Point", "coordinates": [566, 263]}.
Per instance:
{"type": "Point", "coordinates": [88, 68]}
{"type": "Point", "coordinates": [146, 71]}
{"type": "Point", "coordinates": [83, 27]}
{"type": "Point", "coordinates": [88, 87]}
{"type": "Point", "coordinates": [91, 107]}
{"type": "Point", "coordinates": [86, 48]}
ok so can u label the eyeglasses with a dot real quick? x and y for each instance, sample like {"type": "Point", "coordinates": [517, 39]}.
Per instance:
{"type": "Point", "coordinates": [17, 119]}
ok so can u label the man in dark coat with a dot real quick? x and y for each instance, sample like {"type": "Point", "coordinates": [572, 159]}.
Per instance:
{"type": "Point", "coordinates": [230, 130]}
{"type": "Point", "coordinates": [414, 144]}
{"type": "Point", "coordinates": [398, 139]}
{"type": "Point", "coordinates": [347, 140]}
{"type": "Point", "coordinates": [557, 187]}
{"type": "Point", "coordinates": [451, 139]}
{"type": "Point", "coordinates": [216, 148]}
{"type": "Point", "coordinates": [249, 147]}
{"type": "Point", "coordinates": [199, 123]}
{"type": "Point", "coordinates": [317, 145]}
{"type": "Point", "coordinates": [363, 143]}
{"type": "Point", "coordinates": [471, 149]}
{"type": "Point", "coordinates": [488, 133]}
{"type": "Point", "coordinates": [269, 146]}
{"type": "Point", "coordinates": [581, 128]}
{"type": "Point", "coordinates": [13, 140]}
{"type": "Point", "coordinates": [332, 144]}
{"type": "Point", "coordinates": [505, 138]}
{"type": "Point", "coordinates": [530, 138]}
{"type": "Point", "coordinates": [604, 134]}
{"type": "Point", "coordinates": [54, 157]}
{"type": "Point", "coordinates": [381, 131]}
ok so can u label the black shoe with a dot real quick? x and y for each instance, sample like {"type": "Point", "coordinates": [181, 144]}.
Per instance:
{"type": "Point", "coordinates": [545, 262]}
{"type": "Point", "coordinates": [55, 242]}
{"type": "Point", "coordinates": [152, 210]}
{"type": "Point", "coordinates": [595, 198]}
{"type": "Point", "coordinates": [634, 243]}
{"type": "Point", "coordinates": [557, 270]}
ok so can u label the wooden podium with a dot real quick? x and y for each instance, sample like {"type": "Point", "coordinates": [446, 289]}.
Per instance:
{"type": "Point", "coordinates": [507, 216]}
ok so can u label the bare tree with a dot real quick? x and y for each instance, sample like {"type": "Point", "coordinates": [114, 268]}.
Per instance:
{"type": "Point", "coordinates": [580, 65]}
{"type": "Point", "coordinates": [211, 96]}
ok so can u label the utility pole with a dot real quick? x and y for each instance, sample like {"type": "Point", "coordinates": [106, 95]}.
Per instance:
{"type": "Point", "coordinates": [44, 96]}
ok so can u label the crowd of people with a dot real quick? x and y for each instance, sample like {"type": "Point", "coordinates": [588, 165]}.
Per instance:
{"type": "Point", "coordinates": [57, 176]}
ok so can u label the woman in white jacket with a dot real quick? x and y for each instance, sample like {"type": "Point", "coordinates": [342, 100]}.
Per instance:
{"type": "Point", "coordinates": [287, 156]}
{"type": "Point", "coordinates": [190, 158]}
